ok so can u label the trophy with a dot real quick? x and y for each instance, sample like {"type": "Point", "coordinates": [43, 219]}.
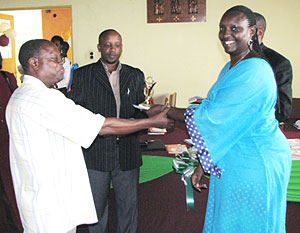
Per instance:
{"type": "Point", "coordinates": [148, 91]}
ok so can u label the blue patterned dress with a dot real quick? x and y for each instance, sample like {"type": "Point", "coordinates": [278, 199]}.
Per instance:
{"type": "Point", "coordinates": [237, 122]}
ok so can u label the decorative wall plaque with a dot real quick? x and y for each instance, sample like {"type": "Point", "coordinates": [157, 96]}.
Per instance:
{"type": "Point", "coordinates": [176, 11]}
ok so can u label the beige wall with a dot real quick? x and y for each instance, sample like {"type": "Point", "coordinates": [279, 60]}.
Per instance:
{"type": "Point", "coordinates": [181, 57]}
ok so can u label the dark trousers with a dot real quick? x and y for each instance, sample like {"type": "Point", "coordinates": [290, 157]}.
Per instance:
{"type": "Point", "coordinates": [4, 225]}
{"type": "Point", "coordinates": [125, 186]}
{"type": "Point", "coordinates": [6, 221]}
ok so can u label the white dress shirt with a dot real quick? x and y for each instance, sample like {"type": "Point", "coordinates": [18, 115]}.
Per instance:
{"type": "Point", "coordinates": [50, 178]}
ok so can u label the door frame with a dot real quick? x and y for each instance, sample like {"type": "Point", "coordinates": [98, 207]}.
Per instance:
{"type": "Point", "coordinates": [45, 8]}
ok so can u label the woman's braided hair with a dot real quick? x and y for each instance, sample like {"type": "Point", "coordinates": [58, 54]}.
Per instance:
{"type": "Point", "coordinates": [252, 21]}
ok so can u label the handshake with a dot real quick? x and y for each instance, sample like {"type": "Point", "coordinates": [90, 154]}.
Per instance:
{"type": "Point", "coordinates": [176, 114]}
{"type": "Point", "coordinates": [158, 114]}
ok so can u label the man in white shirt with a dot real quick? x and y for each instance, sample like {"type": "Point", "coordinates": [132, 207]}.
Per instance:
{"type": "Point", "coordinates": [47, 131]}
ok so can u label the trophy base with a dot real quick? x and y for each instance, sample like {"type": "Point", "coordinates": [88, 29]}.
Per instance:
{"type": "Point", "coordinates": [141, 107]}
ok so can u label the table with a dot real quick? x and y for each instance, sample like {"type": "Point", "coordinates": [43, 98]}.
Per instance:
{"type": "Point", "coordinates": [162, 207]}
{"type": "Point", "coordinates": [294, 184]}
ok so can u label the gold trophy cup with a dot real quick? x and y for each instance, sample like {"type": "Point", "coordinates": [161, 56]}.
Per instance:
{"type": "Point", "coordinates": [148, 91]}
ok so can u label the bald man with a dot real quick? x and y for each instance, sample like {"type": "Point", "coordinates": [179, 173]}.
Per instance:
{"type": "Point", "coordinates": [46, 132]}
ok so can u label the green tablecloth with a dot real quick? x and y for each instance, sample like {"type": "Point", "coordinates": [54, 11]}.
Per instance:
{"type": "Point", "coordinates": [156, 166]}
{"type": "Point", "coordinates": [293, 193]}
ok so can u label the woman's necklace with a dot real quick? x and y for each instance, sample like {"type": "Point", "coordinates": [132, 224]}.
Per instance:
{"type": "Point", "coordinates": [240, 59]}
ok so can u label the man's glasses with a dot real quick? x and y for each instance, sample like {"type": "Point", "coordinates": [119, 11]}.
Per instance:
{"type": "Point", "coordinates": [58, 60]}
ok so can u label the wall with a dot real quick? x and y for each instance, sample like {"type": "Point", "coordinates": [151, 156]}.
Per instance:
{"type": "Point", "coordinates": [181, 57]}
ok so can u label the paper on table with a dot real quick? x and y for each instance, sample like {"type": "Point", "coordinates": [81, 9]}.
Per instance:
{"type": "Point", "coordinates": [295, 148]}
{"type": "Point", "coordinates": [156, 131]}
{"type": "Point", "coordinates": [195, 99]}
{"type": "Point", "coordinates": [188, 141]}
{"type": "Point", "coordinates": [176, 148]}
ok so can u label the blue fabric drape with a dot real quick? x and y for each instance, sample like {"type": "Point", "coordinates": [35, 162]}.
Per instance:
{"type": "Point", "coordinates": [237, 122]}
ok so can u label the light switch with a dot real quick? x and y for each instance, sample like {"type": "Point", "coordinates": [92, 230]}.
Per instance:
{"type": "Point", "coordinates": [91, 55]}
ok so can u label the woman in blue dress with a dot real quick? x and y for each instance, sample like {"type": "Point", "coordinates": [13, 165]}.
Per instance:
{"type": "Point", "coordinates": [238, 139]}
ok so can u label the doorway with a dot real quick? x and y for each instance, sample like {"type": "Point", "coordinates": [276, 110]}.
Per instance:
{"type": "Point", "coordinates": [42, 23]}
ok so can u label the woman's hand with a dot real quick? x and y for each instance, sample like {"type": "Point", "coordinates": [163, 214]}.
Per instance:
{"type": "Point", "coordinates": [197, 177]}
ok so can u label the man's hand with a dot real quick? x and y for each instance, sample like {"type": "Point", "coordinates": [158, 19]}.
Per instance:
{"type": "Point", "coordinates": [161, 121]}
{"type": "Point", "coordinates": [197, 177]}
{"type": "Point", "coordinates": [114, 126]}
{"type": "Point", "coordinates": [177, 114]}
{"type": "Point", "coordinates": [154, 110]}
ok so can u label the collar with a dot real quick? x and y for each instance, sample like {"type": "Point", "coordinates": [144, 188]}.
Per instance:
{"type": "Point", "coordinates": [106, 68]}
{"type": "Point", "coordinates": [33, 80]}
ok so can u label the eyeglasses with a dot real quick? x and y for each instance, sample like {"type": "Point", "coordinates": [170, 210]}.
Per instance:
{"type": "Point", "coordinates": [58, 60]}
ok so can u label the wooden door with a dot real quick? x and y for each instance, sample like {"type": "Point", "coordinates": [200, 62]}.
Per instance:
{"type": "Point", "coordinates": [57, 21]}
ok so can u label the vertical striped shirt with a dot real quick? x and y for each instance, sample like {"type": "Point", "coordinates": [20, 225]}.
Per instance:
{"type": "Point", "coordinates": [50, 178]}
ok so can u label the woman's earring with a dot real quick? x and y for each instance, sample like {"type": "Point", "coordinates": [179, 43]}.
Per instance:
{"type": "Point", "coordinates": [250, 42]}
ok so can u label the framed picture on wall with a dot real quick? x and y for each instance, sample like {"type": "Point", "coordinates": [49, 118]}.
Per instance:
{"type": "Point", "coordinates": [176, 11]}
